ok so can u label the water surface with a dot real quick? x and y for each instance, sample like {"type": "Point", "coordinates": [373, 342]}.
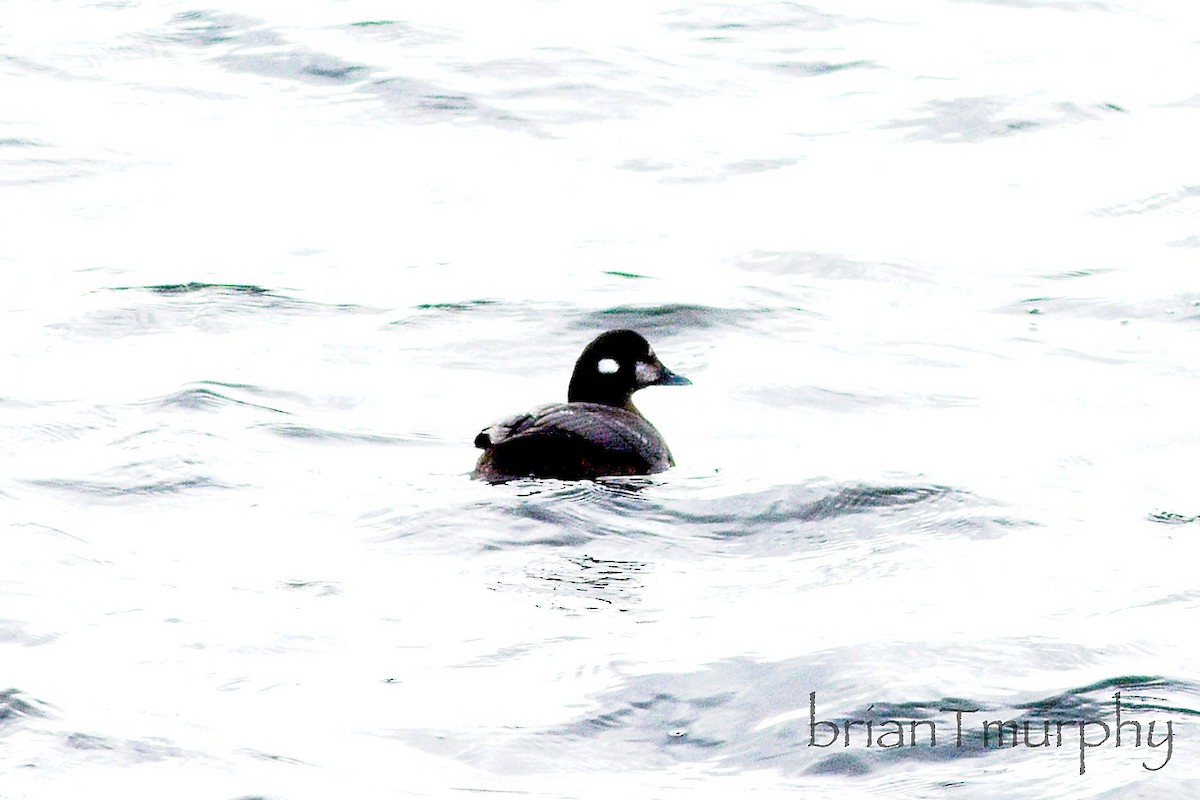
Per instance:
{"type": "Point", "coordinates": [931, 270]}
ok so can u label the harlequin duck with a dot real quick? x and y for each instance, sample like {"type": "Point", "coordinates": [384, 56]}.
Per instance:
{"type": "Point", "coordinates": [598, 431]}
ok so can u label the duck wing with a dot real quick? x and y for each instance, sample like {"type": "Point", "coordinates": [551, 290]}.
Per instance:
{"type": "Point", "coordinates": [571, 441]}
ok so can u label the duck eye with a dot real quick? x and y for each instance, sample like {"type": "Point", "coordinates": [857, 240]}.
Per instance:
{"type": "Point", "coordinates": [607, 366]}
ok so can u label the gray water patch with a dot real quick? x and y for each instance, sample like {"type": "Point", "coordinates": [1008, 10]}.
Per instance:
{"type": "Point", "coordinates": [968, 120]}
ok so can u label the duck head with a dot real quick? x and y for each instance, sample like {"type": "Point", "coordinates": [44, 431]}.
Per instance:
{"type": "Point", "coordinates": [614, 366]}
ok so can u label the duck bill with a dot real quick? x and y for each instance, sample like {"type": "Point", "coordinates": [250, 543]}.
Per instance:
{"type": "Point", "coordinates": [668, 378]}
{"type": "Point", "coordinates": [653, 373]}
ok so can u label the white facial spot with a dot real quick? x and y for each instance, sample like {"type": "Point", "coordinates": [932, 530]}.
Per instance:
{"type": "Point", "coordinates": [607, 366]}
{"type": "Point", "coordinates": [645, 373]}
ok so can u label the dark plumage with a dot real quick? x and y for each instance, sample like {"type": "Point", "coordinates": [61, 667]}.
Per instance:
{"type": "Point", "coordinates": [598, 431]}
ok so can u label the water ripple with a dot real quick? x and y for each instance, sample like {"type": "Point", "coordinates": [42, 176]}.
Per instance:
{"type": "Point", "coordinates": [203, 398]}
{"type": "Point", "coordinates": [546, 513]}
{"type": "Point", "coordinates": [967, 120]}
{"type": "Point", "coordinates": [671, 318]}
{"type": "Point", "coordinates": [14, 708]}
{"type": "Point", "coordinates": [115, 489]}
{"type": "Point", "coordinates": [327, 436]}
{"type": "Point", "coordinates": [210, 307]}
{"type": "Point", "coordinates": [747, 714]}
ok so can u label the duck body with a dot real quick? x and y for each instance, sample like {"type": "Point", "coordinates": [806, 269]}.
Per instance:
{"type": "Point", "coordinates": [571, 441]}
{"type": "Point", "coordinates": [597, 432]}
